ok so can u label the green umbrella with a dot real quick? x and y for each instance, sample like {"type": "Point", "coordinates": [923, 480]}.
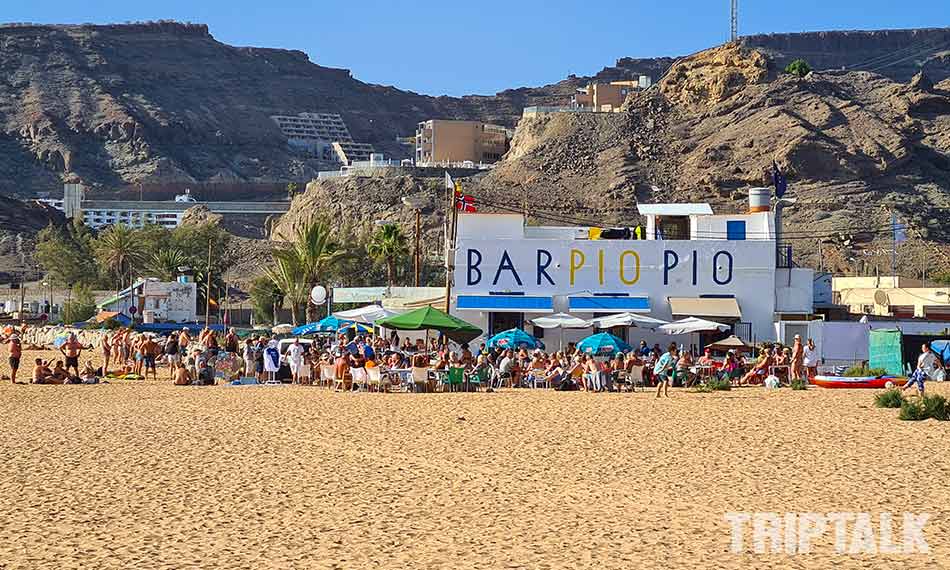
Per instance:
{"type": "Point", "coordinates": [428, 318]}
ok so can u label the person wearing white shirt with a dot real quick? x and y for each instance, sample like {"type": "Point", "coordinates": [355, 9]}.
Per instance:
{"type": "Point", "coordinates": [811, 358]}
{"type": "Point", "coordinates": [295, 360]}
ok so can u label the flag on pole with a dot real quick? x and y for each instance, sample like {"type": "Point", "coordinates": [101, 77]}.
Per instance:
{"type": "Point", "coordinates": [465, 203]}
{"type": "Point", "coordinates": [779, 180]}
{"type": "Point", "coordinates": [449, 184]}
{"type": "Point", "coordinates": [900, 230]}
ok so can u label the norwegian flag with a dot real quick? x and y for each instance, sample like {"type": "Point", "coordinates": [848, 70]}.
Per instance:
{"type": "Point", "coordinates": [464, 202]}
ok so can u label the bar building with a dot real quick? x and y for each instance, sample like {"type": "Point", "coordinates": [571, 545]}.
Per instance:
{"type": "Point", "coordinates": [443, 141]}
{"type": "Point", "coordinates": [687, 262]}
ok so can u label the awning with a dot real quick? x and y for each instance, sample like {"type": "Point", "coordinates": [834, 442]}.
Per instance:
{"type": "Point", "coordinates": [714, 307]}
{"type": "Point", "coordinates": [609, 304]}
{"type": "Point", "coordinates": [505, 303]}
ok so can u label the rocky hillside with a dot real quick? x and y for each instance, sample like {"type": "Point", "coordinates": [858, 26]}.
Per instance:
{"type": "Point", "coordinates": [19, 224]}
{"type": "Point", "coordinates": [855, 146]}
{"type": "Point", "coordinates": [165, 103]}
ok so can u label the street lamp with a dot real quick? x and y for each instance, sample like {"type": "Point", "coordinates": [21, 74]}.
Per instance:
{"type": "Point", "coordinates": [416, 203]}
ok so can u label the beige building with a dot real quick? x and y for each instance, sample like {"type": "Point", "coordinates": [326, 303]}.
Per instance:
{"type": "Point", "coordinates": [893, 297]}
{"type": "Point", "coordinates": [607, 97]}
{"type": "Point", "coordinates": [445, 141]}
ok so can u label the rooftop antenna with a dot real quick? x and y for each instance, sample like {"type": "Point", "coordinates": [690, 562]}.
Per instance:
{"type": "Point", "coordinates": [735, 21]}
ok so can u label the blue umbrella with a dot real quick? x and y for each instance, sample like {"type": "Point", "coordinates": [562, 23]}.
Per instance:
{"type": "Point", "coordinates": [514, 338]}
{"type": "Point", "coordinates": [359, 328]}
{"type": "Point", "coordinates": [603, 344]}
{"type": "Point", "coordinates": [327, 324]}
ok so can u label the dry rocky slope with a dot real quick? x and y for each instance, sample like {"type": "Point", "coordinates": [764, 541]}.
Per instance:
{"type": "Point", "coordinates": [164, 102]}
{"type": "Point", "coordinates": [855, 146]}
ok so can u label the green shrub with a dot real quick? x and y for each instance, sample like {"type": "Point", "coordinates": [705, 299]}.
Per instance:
{"type": "Point", "coordinates": [935, 406]}
{"type": "Point", "coordinates": [716, 385]}
{"type": "Point", "coordinates": [799, 384]}
{"type": "Point", "coordinates": [859, 371]}
{"type": "Point", "coordinates": [892, 398]}
{"type": "Point", "coordinates": [912, 411]}
{"type": "Point", "coordinates": [798, 67]}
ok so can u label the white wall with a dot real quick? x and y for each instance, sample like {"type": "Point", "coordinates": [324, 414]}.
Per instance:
{"type": "Point", "coordinates": [794, 290]}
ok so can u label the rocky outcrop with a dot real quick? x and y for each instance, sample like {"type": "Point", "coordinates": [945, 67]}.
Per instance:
{"type": "Point", "coordinates": [19, 223]}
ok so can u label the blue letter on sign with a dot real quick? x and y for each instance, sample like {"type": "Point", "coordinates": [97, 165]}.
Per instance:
{"type": "Point", "coordinates": [670, 261]}
{"type": "Point", "coordinates": [728, 278]}
{"type": "Point", "coordinates": [473, 267]}
{"type": "Point", "coordinates": [506, 265]}
{"type": "Point", "coordinates": [543, 265]}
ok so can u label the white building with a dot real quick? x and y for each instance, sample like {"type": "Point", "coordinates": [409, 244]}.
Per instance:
{"type": "Point", "coordinates": [324, 134]}
{"type": "Point", "coordinates": [687, 262]}
{"type": "Point", "coordinates": [157, 301]}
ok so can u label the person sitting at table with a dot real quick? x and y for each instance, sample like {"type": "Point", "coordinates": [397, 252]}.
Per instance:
{"type": "Point", "coordinates": [683, 366]}
{"type": "Point", "coordinates": [554, 371]}
{"type": "Point", "coordinates": [782, 363]}
{"type": "Point", "coordinates": [441, 361]}
{"type": "Point", "coordinates": [508, 368]}
{"type": "Point", "coordinates": [731, 368]}
{"type": "Point", "coordinates": [466, 358]}
{"type": "Point", "coordinates": [759, 371]}
{"type": "Point", "coordinates": [706, 359]}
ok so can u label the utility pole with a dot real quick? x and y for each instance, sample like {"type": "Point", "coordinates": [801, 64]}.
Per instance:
{"type": "Point", "coordinates": [734, 21]}
{"type": "Point", "coordinates": [418, 255]}
{"type": "Point", "coordinates": [821, 258]}
{"type": "Point", "coordinates": [451, 217]}
{"type": "Point", "coordinates": [208, 287]}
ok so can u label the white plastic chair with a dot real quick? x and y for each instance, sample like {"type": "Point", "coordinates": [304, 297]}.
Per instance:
{"type": "Point", "coordinates": [326, 374]}
{"type": "Point", "coordinates": [420, 377]}
{"type": "Point", "coordinates": [635, 377]}
{"type": "Point", "coordinates": [360, 378]}
{"type": "Point", "coordinates": [375, 377]}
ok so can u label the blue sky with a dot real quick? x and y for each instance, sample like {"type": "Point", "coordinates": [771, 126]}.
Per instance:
{"type": "Point", "coordinates": [481, 47]}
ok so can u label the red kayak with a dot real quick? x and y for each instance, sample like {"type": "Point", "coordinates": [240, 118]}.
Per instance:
{"type": "Point", "coordinates": [877, 382]}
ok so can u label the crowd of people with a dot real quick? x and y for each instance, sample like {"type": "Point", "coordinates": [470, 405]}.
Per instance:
{"type": "Point", "coordinates": [207, 356]}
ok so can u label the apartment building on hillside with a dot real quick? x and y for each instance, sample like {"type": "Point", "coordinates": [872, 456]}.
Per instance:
{"type": "Point", "coordinates": [323, 134]}
{"type": "Point", "coordinates": [608, 97]}
{"type": "Point", "coordinates": [446, 141]}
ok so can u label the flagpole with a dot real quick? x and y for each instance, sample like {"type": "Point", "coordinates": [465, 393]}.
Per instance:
{"type": "Point", "coordinates": [894, 248]}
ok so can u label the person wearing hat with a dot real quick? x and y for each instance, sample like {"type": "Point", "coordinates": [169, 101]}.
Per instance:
{"type": "Point", "coordinates": [16, 351]}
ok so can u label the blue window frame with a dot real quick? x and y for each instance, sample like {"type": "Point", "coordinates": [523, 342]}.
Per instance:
{"type": "Point", "coordinates": [735, 230]}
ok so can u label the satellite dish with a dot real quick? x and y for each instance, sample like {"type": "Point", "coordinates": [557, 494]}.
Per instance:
{"type": "Point", "coordinates": [318, 294]}
{"type": "Point", "coordinates": [880, 297]}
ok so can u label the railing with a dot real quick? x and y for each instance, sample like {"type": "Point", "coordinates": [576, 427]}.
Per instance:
{"type": "Point", "coordinates": [783, 256]}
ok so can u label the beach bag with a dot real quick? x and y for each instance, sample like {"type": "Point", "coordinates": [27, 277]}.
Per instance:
{"type": "Point", "coordinates": [771, 382]}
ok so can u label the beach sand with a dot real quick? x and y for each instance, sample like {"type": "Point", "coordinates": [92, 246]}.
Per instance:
{"type": "Point", "coordinates": [147, 475]}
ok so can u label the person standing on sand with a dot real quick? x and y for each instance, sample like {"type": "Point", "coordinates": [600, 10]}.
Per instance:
{"type": "Point", "coordinates": [183, 339]}
{"type": "Point", "coordinates": [16, 352]}
{"type": "Point", "coordinates": [72, 349]}
{"type": "Point", "coordinates": [810, 358]}
{"type": "Point", "coordinates": [926, 364]}
{"type": "Point", "coordinates": [149, 354]}
{"type": "Point", "coordinates": [798, 360]}
{"type": "Point", "coordinates": [105, 345]}
{"type": "Point", "coordinates": [231, 342]}
{"type": "Point", "coordinates": [665, 370]}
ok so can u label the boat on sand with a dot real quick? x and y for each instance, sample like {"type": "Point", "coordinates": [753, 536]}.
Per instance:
{"type": "Point", "coordinates": [877, 382]}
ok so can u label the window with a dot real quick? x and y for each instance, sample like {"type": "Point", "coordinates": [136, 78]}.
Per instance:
{"type": "Point", "coordinates": [735, 230]}
{"type": "Point", "coordinates": [498, 322]}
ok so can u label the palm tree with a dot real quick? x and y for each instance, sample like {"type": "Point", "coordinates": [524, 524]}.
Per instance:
{"type": "Point", "coordinates": [316, 252]}
{"type": "Point", "coordinates": [165, 263]}
{"type": "Point", "coordinates": [390, 246]}
{"type": "Point", "coordinates": [120, 250]}
{"type": "Point", "coordinates": [286, 274]}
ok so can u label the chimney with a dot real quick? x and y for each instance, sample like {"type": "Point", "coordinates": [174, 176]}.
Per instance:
{"type": "Point", "coordinates": [760, 200]}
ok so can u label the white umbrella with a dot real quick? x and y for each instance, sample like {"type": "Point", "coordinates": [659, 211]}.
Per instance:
{"type": "Point", "coordinates": [560, 321]}
{"type": "Point", "coordinates": [366, 315]}
{"type": "Point", "coordinates": [282, 329]}
{"type": "Point", "coordinates": [692, 325]}
{"type": "Point", "coordinates": [628, 320]}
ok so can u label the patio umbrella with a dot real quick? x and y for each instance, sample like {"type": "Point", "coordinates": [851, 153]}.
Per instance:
{"type": "Point", "coordinates": [560, 321]}
{"type": "Point", "coordinates": [358, 328]}
{"type": "Point", "coordinates": [628, 320]}
{"type": "Point", "coordinates": [514, 338]}
{"type": "Point", "coordinates": [692, 325]}
{"type": "Point", "coordinates": [731, 343]}
{"type": "Point", "coordinates": [430, 318]}
{"type": "Point", "coordinates": [368, 314]}
{"type": "Point", "coordinates": [603, 344]}
{"type": "Point", "coordinates": [327, 324]}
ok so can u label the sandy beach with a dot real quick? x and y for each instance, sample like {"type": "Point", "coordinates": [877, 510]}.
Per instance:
{"type": "Point", "coordinates": [147, 475]}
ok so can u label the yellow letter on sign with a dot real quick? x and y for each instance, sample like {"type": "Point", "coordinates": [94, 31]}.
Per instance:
{"type": "Point", "coordinates": [636, 277]}
{"type": "Point", "coordinates": [577, 262]}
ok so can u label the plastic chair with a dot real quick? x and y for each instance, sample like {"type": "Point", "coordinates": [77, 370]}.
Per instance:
{"type": "Point", "coordinates": [635, 378]}
{"type": "Point", "coordinates": [454, 378]}
{"type": "Point", "coordinates": [479, 376]}
{"type": "Point", "coordinates": [420, 379]}
{"type": "Point", "coordinates": [326, 374]}
{"type": "Point", "coordinates": [375, 377]}
{"type": "Point", "coordinates": [360, 378]}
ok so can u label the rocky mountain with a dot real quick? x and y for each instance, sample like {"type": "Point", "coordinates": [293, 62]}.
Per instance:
{"type": "Point", "coordinates": [856, 146]}
{"type": "Point", "coordinates": [164, 103]}
{"type": "Point", "coordinates": [19, 224]}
